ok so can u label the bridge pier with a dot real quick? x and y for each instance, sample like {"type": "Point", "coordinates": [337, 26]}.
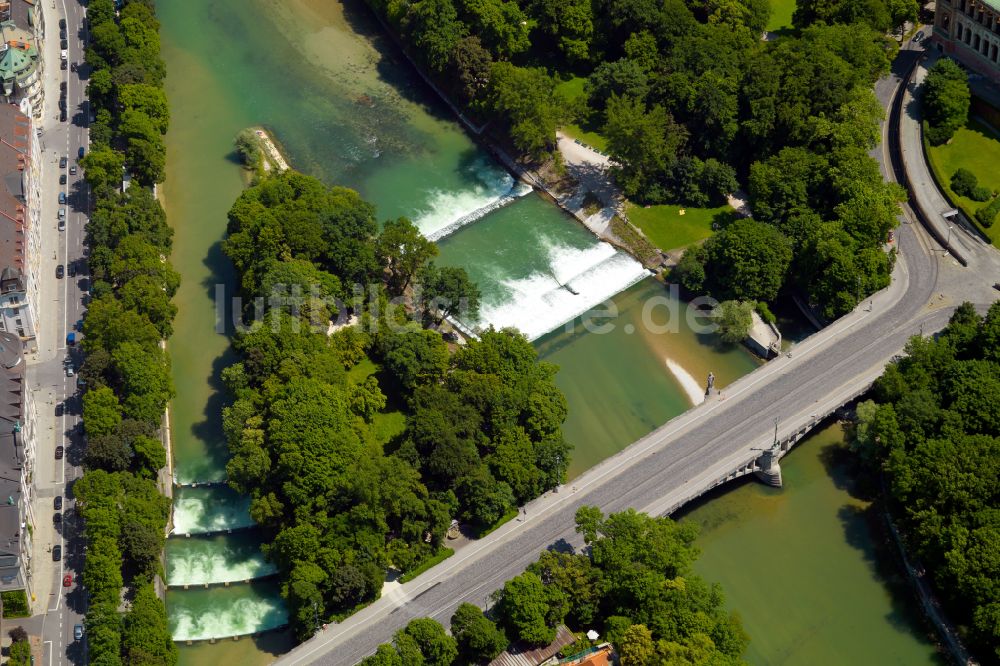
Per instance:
{"type": "Point", "coordinates": [769, 469]}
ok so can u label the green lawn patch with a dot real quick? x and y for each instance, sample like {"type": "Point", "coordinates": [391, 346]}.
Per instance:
{"type": "Point", "coordinates": [668, 230]}
{"type": "Point", "coordinates": [976, 148]}
{"type": "Point", "coordinates": [572, 90]}
{"type": "Point", "coordinates": [362, 371]}
{"type": "Point", "coordinates": [781, 15]}
{"type": "Point", "coordinates": [386, 426]}
{"type": "Point", "coordinates": [434, 560]}
{"type": "Point", "coordinates": [507, 517]}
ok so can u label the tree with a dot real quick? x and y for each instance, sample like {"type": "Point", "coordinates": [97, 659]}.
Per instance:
{"type": "Point", "coordinates": [147, 99]}
{"type": "Point", "coordinates": [526, 100]}
{"type": "Point", "coordinates": [448, 292]}
{"type": "Point", "coordinates": [472, 64]}
{"type": "Point", "coordinates": [747, 260]}
{"type": "Point", "coordinates": [404, 251]}
{"type": "Point", "coordinates": [500, 24]}
{"type": "Point", "coordinates": [522, 604]}
{"type": "Point", "coordinates": [103, 169]}
{"type": "Point", "coordinates": [248, 147]}
{"type": "Point", "coordinates": [946, 100]}
{"type": "Point", "coordinates": [415, 357]}
{"type": "Point", "coordinates": [435, 30]}
{"type": "Point", "coordinates": [645, 144]}
{"type": "Point", "coordinates": [101, 411]}
{"type": "Point", "coordinates": [150, 455]}
{"type": "Point", "coordinates": [635, 647]}
{"type": "Point", "coordinates": [437, 647]}
{"type": "Point", "coordinates": [479, 640]}
{"type": "Point", "coordinates": [146, 636]}
{"type": "Point", "coordinates": [734, 319]}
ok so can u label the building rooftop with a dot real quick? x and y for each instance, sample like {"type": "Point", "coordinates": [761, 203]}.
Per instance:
{"type": "Point", "coordinates": [15, 130]}
{"type": "Point", "coordinates": [519, 655]}
{"type": "Point", "coordinates": [11, 460]}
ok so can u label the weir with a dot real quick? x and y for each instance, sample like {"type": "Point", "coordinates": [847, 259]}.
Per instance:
{"type": "Point", "coordinates": [216, 560]}
{"type": "Point", "coordinates": [227, 612]}
{"type": "Point", "coordinates": [210, 510]}
{"type": "Point", "coordinates": [517, 191]}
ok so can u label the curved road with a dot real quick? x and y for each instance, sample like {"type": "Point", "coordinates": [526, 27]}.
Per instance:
{"type": "Point", "coordinates": [676, 461]}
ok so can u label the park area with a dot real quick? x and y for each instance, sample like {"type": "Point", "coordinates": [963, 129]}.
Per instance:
{"type": "Point", "coordinates": [668, 229]}
{"type": "Point", "coordinates": [781, 15]}
{"type": "Point", "coordinates": [975, 147]}
{"type": "Point", "coordinates": [572, 91]}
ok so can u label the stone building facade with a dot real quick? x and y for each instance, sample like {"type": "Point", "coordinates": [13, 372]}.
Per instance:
{"type": "Point", "coordinates": [969, 31]}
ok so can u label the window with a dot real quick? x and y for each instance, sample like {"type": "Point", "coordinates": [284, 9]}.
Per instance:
{"type": "Point", "coordinates": [976, 43]}
{"type": "Point", "coordinates": [18, 322]}
{"type": "Point", "coordinates": [993, 53]}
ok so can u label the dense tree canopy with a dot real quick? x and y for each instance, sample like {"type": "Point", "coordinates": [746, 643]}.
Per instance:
{"type": "Point", "coordinates": [934, 429]}
{"type": "Point", "coordinates": [946, 99]}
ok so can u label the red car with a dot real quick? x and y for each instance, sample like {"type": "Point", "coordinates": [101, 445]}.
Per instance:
{"type": "Point", "coordinates": [67, 580]}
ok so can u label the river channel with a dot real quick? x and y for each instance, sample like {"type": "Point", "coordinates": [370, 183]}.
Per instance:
{"type": "Point", "coordinates": [347, 109]}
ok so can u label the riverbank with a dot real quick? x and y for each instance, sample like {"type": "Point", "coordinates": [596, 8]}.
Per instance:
{"type": "Point", "coordinates": [274, 159]}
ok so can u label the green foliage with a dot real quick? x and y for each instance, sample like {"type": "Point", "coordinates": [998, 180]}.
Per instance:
{"type": "Point", "coordinates": [448, 292]}
{"type": "Point", "coordinates": [747, 261]}
{"type": "Point", "coordinates": [934, 430]}
{"type": "Point", "coordinates": [145, 636]}
{"type": "Point", "coordinates": [946, 100]}
{"type": "Point", "coordinates": [248, 147]}
{"type": "Point", "coordinates": [15, 603]}
{"type": "Point", "coordinates": [20, 653]}
{"type": "Point", "coordinates": [524, 607]}
{"type": "Point", "coordinates": [525, 99]}
{"type": "Point", "coordinates": [735, 319]}
{"type": "Point", "coordinates": [478, 638]}
{"type": "Point", "coordinates": [987, 215]}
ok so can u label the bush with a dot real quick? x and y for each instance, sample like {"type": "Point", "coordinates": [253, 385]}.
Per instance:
{"type": "Point", "coordinates": [981, 193]}
{"type": "Point", "coordinates": [20, 654]}
{"type": "Point", "coordinates": [937, 136]}
{"type": "Point", "coordinates": [963, 182]}
{"type": "Point", "coordinates": [988, 213]}
{"type": "Point", "coordinates": [18, 634]}
{"type": "Point", "coordinates": [765, 313]}
{"type": "Point", "coordinates": [15, 604]}
{"type": "Point", "coordinates": [735, 319]}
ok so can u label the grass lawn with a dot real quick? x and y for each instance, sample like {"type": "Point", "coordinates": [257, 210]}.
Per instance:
{"type": "Point", "coordinates": [388, 424]}
{"type": "Point", "coordinates": [572, 90]}
{"type": "Point", "coordinates": [977, 149]}
{"type": "Point", "coordinates": [781, 14]}
{"type": "Point", "coordinates": [667, 229]}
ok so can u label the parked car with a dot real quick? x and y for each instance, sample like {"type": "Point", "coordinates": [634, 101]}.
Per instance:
{"type": "Point", "coordinates": [72, 170]}
{"type": "Point", "coordinates": [62, 213]}
{"type": "Point", "coordinates": [62, 115]}
{"type": "Point", "coordinates": [59, 452]}
{"type": "Point", "coordinates": [62, 162]}
{"type": "Point", "coordinates": [60, 408]}
{"type": "Point", "coordinates": [58, 502]}
{"type": "Point", "coordinates": [62, 23]}
{"type": "Point", "coordinates": [62, 65]}
{"type": "Point", "coordinates": [78, 325]}
{"type": "Point", "coordinates": [62, 179]}
{"type": "Point", "coordinates": [80, 152]}
{"type": "Point", "coordinates": [67, 580]}
{"type": "Point", "coordinates": [62, 86]}
{"type": "Point", "coordinates": [62, 197]}
{"type": "Point", "coordinates": [72, 67]}
{"type": "Point", "coordinates": [72, 270]}
{"type": "Point", "coordinates": [57, 518]}
{"type": "Point", "coordinates": [62, 224]}
{"type": "Point", "coordinates": [69, 371]}
{"type": "Point", "coordinates": [63, 44]}
{"type": "Point", "coordinates": [77, 631]}
{"type": "Point", "coordinates": [60, 271]}
{"type": "Point", "coordinates": [56, 553]}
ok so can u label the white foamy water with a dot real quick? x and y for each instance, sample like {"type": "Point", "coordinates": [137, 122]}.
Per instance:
{"type": "Point", "coordinates": [207, 510]}
{"type": "Point", "coordinates": [692, 389]}
{"type": "Point", "coordinates": [517, 191]}
{"type": "Point", "coordinates": [577, 280]}
{"type": "Point", "coordinates": [448, 210]}
{"type": "Point", "coordinates": [238, 618]}
{"type": "Point", "coordinates": [197, 562]}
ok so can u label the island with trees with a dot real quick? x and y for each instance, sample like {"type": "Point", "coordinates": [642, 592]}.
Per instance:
{"type": "Point", "coordinates": [633, 585]}
{"type": "Point", "coordinates": [126, 373]}
{"type": "Point", "coordinates": [360, 443]}
{"type": "Point", "coordinates": [932, 432]}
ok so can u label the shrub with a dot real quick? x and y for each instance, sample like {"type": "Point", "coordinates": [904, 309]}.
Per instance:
{"type": "Point", "coordinates": [765, 313]}
{"type": "Point", "coordinates": [963, 182]}
{"type": "Point", "coordinates": [980, 193]}
{"type": "Point", "coordinates": [15, 604]}
{"type": "Point", "coordinates": [988, 213]}
{"type": "Point", "coordinates": [20, 654]}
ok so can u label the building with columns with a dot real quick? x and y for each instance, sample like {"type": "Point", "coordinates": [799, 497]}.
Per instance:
{"type": "Point", "coordinates": [969, 31]}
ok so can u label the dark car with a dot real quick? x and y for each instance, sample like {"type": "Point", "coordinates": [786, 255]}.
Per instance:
{"type": "Point", "coordinates": [72, 270]}
{"type": "Point", "coordinates": [57, 502]}
{"type": "Point", "coordinates": [62, 65]}
{"type": "Point", "coordinates": [62, 33]}
{"type": "Point", "coordinates": [62, 23]}
{"type": "Point", "coordinates": [57, 518]}
{"type": "Point", "coordinates": [59, 452]}
{"type": "Point", "coordinates": [72, 67]}
{"type": "Point", "coordinates": [62, 86]}
{"type": "Point", "coordinates": [60, 271]}
{"type": "Point", "coordinates": [60, 408]}
{"type": "Point", "coordinates": [56, 553]}
{"type": "Point", "coordinates": [62, 116]}
{"type": "Point", "coordinates": [79, 325]}
{"type": "Point", "coordinates": [62, 179]}
{"type": "Point", "coordinates": [72, 170]}
{"type": "Point", "coordinates": [63, 44]}
{"type": "Point", "coordinates": [80, 152]}
{"type": "Point", "coordinates": [62, 162]}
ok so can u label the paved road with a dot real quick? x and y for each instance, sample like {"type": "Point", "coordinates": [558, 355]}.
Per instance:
{"type": "Point", "coordinates": [62, 305]}
{"type": "Point", "coordinates": [675, 461]}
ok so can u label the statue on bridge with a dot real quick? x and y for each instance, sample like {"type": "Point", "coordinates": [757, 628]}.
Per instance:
{"type": "Point", "coordinates": [711, 384]}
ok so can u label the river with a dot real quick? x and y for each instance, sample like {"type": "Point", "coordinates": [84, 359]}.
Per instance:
{"type": "Point", "coordinates": [347, 109]}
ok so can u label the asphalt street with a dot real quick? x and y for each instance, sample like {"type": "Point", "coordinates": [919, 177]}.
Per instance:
{"type": "Point", "coordinates": [693, 451]}
{"type": "Point", "coordinates": [61, 307]}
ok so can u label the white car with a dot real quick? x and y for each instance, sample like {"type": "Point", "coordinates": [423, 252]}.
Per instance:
{"type": "Point", "coordinates": [69, 371]}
